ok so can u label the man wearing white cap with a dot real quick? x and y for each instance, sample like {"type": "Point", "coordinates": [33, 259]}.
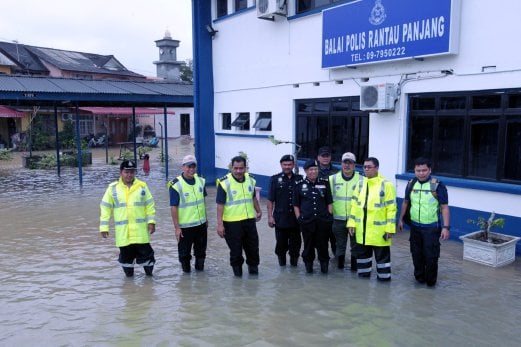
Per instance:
{"type": "Point", "coordinates": [188, 210]}
{"type": "Point", "coordinates": [345, 186]}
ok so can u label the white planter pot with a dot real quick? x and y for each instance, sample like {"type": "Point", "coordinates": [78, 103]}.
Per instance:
{"type": "Point", "coordinates": [489, 253]}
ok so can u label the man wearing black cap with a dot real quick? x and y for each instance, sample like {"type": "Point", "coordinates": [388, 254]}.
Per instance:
{"type": "Point", "coordinates": [132, 204]}
{"type": "Point", "coordinates": [313, 208]}
{"type": "Point", "coordinates": [326, 169]}
{"type": "Point", "coordinates": [281, 215]}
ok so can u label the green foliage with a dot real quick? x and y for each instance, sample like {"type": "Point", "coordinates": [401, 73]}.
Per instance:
{"type": "Point", "coordinates": [5, 154]}
{"type": "Point", "coordinates": [187, 71]}
{"type": "Point", "coordinates": [486, 225]}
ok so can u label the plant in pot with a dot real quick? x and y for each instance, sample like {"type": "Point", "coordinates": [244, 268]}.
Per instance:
{"type": "Point", "coordinates": [487, 247]}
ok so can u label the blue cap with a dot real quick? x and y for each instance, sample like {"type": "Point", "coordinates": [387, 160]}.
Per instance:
{"type": "Point", "coordinates": [310, 163]}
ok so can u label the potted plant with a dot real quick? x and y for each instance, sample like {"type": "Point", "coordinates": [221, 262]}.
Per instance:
{"type": "Point", "coordinates": [487, 247]}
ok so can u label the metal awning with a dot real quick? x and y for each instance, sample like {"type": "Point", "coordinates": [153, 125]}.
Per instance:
{"type": "Point", "coordinates": [6, 112]}
{"type": "Point", "coordinates": [125, 111]}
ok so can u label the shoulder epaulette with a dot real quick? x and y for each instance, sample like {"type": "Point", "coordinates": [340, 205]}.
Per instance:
{"type": "Point", "coordinates": [223, 178]}
{"type": "Point", "coordinates": [298, 181]}
{"type": "Point", "coordinates": [172, 182]}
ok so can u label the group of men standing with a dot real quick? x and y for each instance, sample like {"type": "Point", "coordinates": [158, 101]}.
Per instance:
{"type": "Point", "coordinates": [325, 207]}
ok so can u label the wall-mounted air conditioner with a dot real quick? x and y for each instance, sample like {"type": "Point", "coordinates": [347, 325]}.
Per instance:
{"type": "Point", "coordinates": [67, 117]}
{"type": "Point", "coordinates": [269, 8]}
{"type": "Point", "coordinates": [378, 97]}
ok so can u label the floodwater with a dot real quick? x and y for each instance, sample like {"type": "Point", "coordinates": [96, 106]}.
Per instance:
{"type": "Point", "coordinates": [61, 284]}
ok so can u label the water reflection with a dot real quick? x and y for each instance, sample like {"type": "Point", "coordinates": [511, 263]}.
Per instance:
{"type": "Point", "coordinates": [61, 285]}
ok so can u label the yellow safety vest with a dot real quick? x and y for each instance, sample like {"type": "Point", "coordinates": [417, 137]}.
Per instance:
{"type": "Point", "coordinates": [424, 204]}
{"type": "Point", "coordinates": [133, 210]}
{"type": "Point", "coordinates": [343, 192]}
{"type": "Point", "coordinates": [239, 198]}
{"type": "Point", "coordinates": [381, 212]}
{"type": "Point", "coordinates": [191, 209]}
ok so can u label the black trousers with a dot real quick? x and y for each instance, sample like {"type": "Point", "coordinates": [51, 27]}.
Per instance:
{"type": "Point", "coordinates": [316, 236]}
{"type": "Point", "coordinates": [425, 251]}
{"type": "Point", "coordinates": [142, 253]}
{"type": "Point", "coordinates": [194, 236]}
{"type": "Point", "coordinates": [242, 235]}
{"type": "Point", "coordinates": [364, 261]}
{"type": "Point", "coordinates": [288, 239]}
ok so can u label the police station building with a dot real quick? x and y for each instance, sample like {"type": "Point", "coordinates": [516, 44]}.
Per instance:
{"type": "Point", "coordinates": [392, 79]}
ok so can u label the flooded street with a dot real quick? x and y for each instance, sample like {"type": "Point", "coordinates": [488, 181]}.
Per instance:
{"type": "Point", "coordinates": [61, 284]}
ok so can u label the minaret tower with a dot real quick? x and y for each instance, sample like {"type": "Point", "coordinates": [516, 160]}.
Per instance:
{"type": "Point", "coordinates": [167, 66]}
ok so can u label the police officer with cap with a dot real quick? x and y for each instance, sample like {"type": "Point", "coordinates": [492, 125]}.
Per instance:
{"type": "Point", "coordinates": [281, 215]}
{"type": "Point", "coordinates": [313, 208]}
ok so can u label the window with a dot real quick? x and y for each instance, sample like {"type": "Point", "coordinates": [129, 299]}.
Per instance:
{"type": "Point", "coordinates": [222, 8]}
{"type": "Point", "coordinates": [337, 123]}
{"type": "Point", "coordinates": [468, 135]}
{"type": "Point", "coordinates": [226, 121]}
{"type": "Point", "coordinates": [263, 121]}
{"type": "Point", "coordinates": [307, 5]}
{"type": "Point", "coordinates": [242, 122]}
{"type": "Point", "coordinates": [240, 5]}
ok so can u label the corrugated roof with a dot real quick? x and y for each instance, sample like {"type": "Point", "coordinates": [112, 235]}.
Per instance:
{"type": "Point", "coordinates": [29, 90]}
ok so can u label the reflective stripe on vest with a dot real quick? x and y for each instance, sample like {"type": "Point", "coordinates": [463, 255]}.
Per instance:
{"type": "Point", "coordinates": [192, 211]}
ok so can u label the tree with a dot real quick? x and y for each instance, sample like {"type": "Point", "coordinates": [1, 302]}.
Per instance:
{"type": "Point", "coordinates": [187, 71]}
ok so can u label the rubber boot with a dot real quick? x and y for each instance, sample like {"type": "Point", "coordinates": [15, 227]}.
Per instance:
{"type": "Point", "coordinates": [354, 267]}
{"type": "Point", "coordinates": [282, 260]}
{"type": "Point", "coordinates": [129, 271]}
{"type": "Point", "coordinates": [293, 261]}
{"type": "Point", "coordinates": [324, 267]}
{"type": "Point", "coordinates": [199, 264]}
{"type": "Point", "coordinates": [253, 269]}
{"type": "Point", "coordinates": [148, 270]}
{"type": "Point", "coordinates": [341, 260]}
{"type": "Point", "coordinates": [185, 264]}
{"type": "Point", "coordinates": [309, 267]}
{"type": "Point", "coordinates": [237, 270]}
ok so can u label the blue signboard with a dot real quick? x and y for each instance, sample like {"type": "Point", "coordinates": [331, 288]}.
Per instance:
{"type": "Point", "coordinates": [372, 31]}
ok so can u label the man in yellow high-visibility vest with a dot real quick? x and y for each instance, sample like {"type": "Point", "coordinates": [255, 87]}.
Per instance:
{"type": "Point", "coordinates": [133, 207]}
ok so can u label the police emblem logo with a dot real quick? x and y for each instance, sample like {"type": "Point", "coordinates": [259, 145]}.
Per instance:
{"type": "Point", "coordinates": [378, 14]}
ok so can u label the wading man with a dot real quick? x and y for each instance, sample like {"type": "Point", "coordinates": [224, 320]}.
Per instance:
{"type": "Point", "coordinates": [281, 215]}
{"type": "Point", "coordinates": [424, 198]}
{"type": "Point", "coordinates": [237, 212]}
{"type": "Point", "coordinates": [133, 207]}
{"type": "Point", "coordinates": [188, 210]}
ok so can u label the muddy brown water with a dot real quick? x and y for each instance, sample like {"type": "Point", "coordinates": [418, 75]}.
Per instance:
{"type": "Point", "coordinates": [60, 284]}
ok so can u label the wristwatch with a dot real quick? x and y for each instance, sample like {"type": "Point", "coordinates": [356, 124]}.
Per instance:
{"type": "Point", "coordinates": [446, 227]}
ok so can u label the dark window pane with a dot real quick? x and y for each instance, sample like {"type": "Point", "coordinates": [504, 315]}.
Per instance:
{"type": "Point", "coordinates": [241, 4]}
{"type": "Point", "coordinates": [222, 8]}
{"type": "Point", "coordinates": [514, 101]}
{"type": "Point", "coordinates": [513, 151]}
{"type": "Point", "coordinates": [486, 101]}
{"type": "Point", "coordinates": [451, 145]}
{"type": "Point", "coordinates": [321, 107]}
{"type": "Point", "coordinates": [263, 122]}
{"type": "Point", "coordinates": [312, 133]}
{"type": "Point", "coordinates": [483, 147]}
{"type": "Point", "coordinates": [452, 103]}
{"type": "Point", "coordinates": [420, 143]}
{"type": "Point", "coordinates": [242, 121]}
{"type": "Point", "coordinates": [226, 121]}
{"type": "Point", "coordinates": [305, 107]}
{"type": "Point", "coordinates": [423, 103]}
{"type": "Point", "coordinates": [340, 106]}
{"type": "Point", "coordinates": [355, 105]}
{"type": "Point", "coordinates": [303, 5]}
{"type": "Point", "coordinates": [350, 134]}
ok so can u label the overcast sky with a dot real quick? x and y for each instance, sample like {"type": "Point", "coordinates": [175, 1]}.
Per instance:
{"type": "Point", "coordinates": [126, 29]}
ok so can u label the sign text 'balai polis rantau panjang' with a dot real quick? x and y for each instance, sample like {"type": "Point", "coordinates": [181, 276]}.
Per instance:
{"type": "Point", "coordinates": [372, 31]}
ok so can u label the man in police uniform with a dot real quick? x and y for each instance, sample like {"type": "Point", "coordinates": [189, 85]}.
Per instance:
{"type": "Point", "coordinates": [313, 209]}
{"type": "Point", "coordinates": [281, 215]}
{"type": "Point", "coordinates": [373, 220]}
{"type": "Point", "coordinates": [132, 204]}
{"type": "Point", "coordinates": [237, 212]}
{"type": "Point", "coordinates": [344, 186]}
{"type": "Point", "coordinates": [426, 197]}
{"type": "Point", "coordinates": [188, 210]}
{"type": "Point", "coordinates": [326, 169]}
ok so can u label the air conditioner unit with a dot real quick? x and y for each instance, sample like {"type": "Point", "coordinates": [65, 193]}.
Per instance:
{"type": "Point", "coordinates": [378, 97]}
{"type": "Point", "coordinates": [67, 117]}
{"type": "Point", "coordinates": [269, 8]}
